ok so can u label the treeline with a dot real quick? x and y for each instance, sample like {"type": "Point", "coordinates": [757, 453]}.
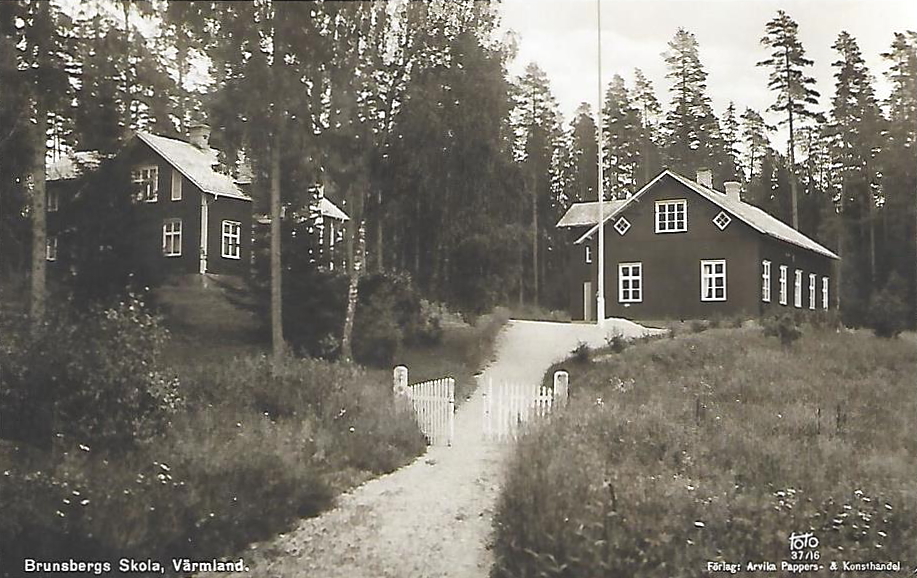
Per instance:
{"type": "Point", "coordinates": [453, 172]}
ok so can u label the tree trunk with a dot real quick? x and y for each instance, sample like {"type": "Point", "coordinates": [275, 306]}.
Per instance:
{"type": "Point", "coordinates": [39, 215]}
{"type": "Point", "coordinates": [534, 235]}
{"type": "Point", "coordinates": [356, 262]}
{"type": "Point", "coordinates": [276, 271]}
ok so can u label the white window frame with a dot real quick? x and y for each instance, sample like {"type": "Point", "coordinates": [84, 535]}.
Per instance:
{"type": "Point", "coordinates": [176, 186]}
{"type": "Point", "coordinates": [630, 273]}
{"type": "Point", "coordinates": [51, 248]}
{"type": "Point", "coordinates": [232, 231]}
{"type": "Point", "coordinates": [667, 216]}
{"type": "Point", "coordinates": [766, 281]}
{"type": "Point", "coordinates": [708, 279]}
{"type": "Point", "coordinates": [588, 255]}
{"type": "Point", "coordinates": [53, 200]}
{"type": "Point", "coordinates": [723, 217]}
{"type": "Point", "coordinates": [783, 280]}
{"type": "Point", "coordinates": [813, 280]}
{"type": "Point", "coordinates": [147, 178]}
{"type": "Point", "coordinates": [171, 237]}
{"type": "Point", "coordinates": [797, 288]}
{"type": "Point", "coordinates": [622, 225]}
{"type": "Point", "coordinates": [824, 293]}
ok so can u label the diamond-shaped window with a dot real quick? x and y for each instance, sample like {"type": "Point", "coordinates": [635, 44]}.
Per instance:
{"type": "Point", "coordinates": [622, 225]}
{"type": "Point", "coordinates": [722, 220]}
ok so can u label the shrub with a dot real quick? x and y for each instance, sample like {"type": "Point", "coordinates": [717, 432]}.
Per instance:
{"type": "Point", "coordinates": [888, 309]}
{"type": "Point", "coordinates": [582, 353]}
{"type": "Point", "coordinates": [616, 342]}
{"type": "Point", "coordinates": [783, 327]}
{"type": "Point", "coordinates": [94, 378]}
{"type": "Point", "coordinates": [698, 325]}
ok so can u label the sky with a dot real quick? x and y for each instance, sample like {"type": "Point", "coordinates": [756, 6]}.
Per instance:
{"type": "Point", "coordinates": [561, 37]}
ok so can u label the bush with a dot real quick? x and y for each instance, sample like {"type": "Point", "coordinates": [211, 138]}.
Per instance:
{"type": "Point", "coordinates": [94, 378]}
{"type": "Point", "coordinates": [783, 327]}
{"type": "Point", "coordinates": [616, 343]}
{"type": "Point", "coordinates": [888, 309]}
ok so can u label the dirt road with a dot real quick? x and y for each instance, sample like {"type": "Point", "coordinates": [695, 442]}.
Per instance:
{"type": "Point", "coordinates": [431, 518]}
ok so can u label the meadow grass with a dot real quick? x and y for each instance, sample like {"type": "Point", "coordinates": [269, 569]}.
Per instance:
{"type": "Point", "coordinates": [717, 446]}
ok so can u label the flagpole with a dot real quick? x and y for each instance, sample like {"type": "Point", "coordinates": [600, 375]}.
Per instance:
{"type": "Point", "coordinates": [600, 297]}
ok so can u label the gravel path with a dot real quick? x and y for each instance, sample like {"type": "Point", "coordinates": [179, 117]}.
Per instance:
{"type": "Point", "coordinates": [431, 518]}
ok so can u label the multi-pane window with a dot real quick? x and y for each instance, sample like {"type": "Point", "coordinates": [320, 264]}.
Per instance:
{"type": "Point", "coordinates": [630, 282]}
{"type": "Point", "coordinates": [672, 216]}
{"type": "Point", "coordinates": [51, 248]}
{"type": "Point", "coordinates": [176, 185]}
{"type": "Point", "coordinates": [783, 284]}
{"type": "Point", "coordinates": [146, 183]}
{"type": "Point", "coordinates": [813, 278]}
{"type": "Point", "coordinates": [588, 254]}
{"type": "Point", "coordinates": [232, 236]}
{"type": "Point", "coordinates": [52, 200]}
{"type": "Point", "coordinates": [171, 238]}
{"type": "Point", "coordinates": [722, 220]}
{"type": "Point", "coordinates": [622, 225]}
{"type": "Point", "coordinates": [824, 293]}
{"type": "Point", "coordinates": [797, 288]}
{"type": "Point", "coordinates": [713, 280]}
{"type": "Point", "coordinates": [766, 281]}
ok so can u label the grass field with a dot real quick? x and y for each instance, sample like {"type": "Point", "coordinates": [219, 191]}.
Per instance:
{"type": "Point", "coordinates": [717, 446]}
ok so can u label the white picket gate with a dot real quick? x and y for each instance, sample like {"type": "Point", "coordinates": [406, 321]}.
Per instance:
{"type": "Point", "coordinates": [433, 403]}
{"type": "Point", "coordinates": [510, 407]}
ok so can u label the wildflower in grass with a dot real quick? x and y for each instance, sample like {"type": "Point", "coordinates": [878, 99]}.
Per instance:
{"type": "Point", "coordinates": [85, 448]}
{"type": "Point", "coordinates": [698, 524]}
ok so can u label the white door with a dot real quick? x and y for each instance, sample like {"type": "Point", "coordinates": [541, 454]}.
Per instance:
{"type": "Point", "coordinates": [588, 301]}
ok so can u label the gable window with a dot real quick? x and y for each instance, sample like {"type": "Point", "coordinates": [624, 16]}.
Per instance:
{"type": "Point", "coordinates": [146, 183]}
{"type": "Point", "coordinates": [797, 288]}
{"type": "Point", "coordinates": [622, 225]}
{"type": "Point", "coordinates": [630, 282]}
{"type": "Point", "coordinates": [176, 185]}
{"type": "Point", "coordinates": [588, 252]}
{"type": "Point", "coordinates": [783, 284]}
{"type": "Point", "coordinates": [766, 281]}
{"type": "Point", "coordinates": [713, 280]}
{"type": "Point", "coordinates": [813, 278]}
{"type": "Point", "coordinates": [232, 236]}
{"type": "Point", "coordinates": [52, 200]}
{"type": "Point", "coordinates": [824, 293]}
{"type": "Point", "coordinates": [722, 220]}
{"type": "Point", "coordinates": [51, 248]}
{"type": "Point", "coordinates": [672, 216]}
{"type": "Point", "coordinates": [171, 238]}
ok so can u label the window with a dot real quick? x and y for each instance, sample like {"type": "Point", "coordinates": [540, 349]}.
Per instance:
{"type": "Point", "coordinates": [232, 236]}
{"type": "Point", "coordinates": [672, 216]}
{"type": "Point", "coordinates": [176, 185]}
{"type": "Point", "coordinates": [171, 238]}
{"type": "Point", "coordinates": [824, 293]}
{"type": "Point", "coordinates": [622, 225]}
{"type": "Point", "coordinates": [797, 288]}
{"type": "Point", "coordinates": [783, 284]}
{"type": "Point", "coordinates": [52, 200]}
{"type": "Point", "coordinates": [51, 248]}
{"type": "Point", "coordinates": [146, 181]}
{"type": "Point", "coordinates": [722, 220]}
{"type": "Point", "coordinates": [813, 278]}
{"type": "Point", "coordinates": [630, 282]}
{"type": "Point", "coordinates": [713, 280]}
{"type": "Point", "coordinates": [766, 281]}
{"type": "Point", "coordinates": [588, 254]}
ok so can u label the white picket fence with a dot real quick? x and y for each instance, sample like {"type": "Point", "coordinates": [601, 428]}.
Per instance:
{"type": "Point", "coordinates": [433, 403]}
{"type": "Point", "coordinates": [510, 407]}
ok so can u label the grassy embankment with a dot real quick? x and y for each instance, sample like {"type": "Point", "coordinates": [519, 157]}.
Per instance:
{"type": "Point", "coordinates": [717, 445]}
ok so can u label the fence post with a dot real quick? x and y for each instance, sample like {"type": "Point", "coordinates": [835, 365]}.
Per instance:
{"type": "Point", "coordinates": [561, 386]}
{"type": "Point", "coordinates": [450, 416]}
{"type": "Point", "coordinates": [400, 381]}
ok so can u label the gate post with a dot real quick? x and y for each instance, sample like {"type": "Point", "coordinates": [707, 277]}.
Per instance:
{"type": "Point", "coordinates": [561, 386]}
{"type": "Point", "coordinates": [400, 382]}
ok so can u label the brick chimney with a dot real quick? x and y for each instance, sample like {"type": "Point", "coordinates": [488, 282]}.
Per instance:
{"type": "Point", "coordinates": [199, 135]}
{"type": "Point", "coordinates": [732, 190]}
{"type": "Point", "coordinates": [705, 177]}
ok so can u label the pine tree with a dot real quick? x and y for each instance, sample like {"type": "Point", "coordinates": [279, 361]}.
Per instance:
{"type": "Point", "coordinates": [732, 168]}
{"type": "Point", "coordinates": [649, 110]}
{"type": "Point", "coordinates": [756, 141]}
{"type": "Point", "coordinates": [691, 130]}
{"type": "Point", "coordinates": [622, 139]}
{"type": "Point", "coordinates": [795, 95]}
